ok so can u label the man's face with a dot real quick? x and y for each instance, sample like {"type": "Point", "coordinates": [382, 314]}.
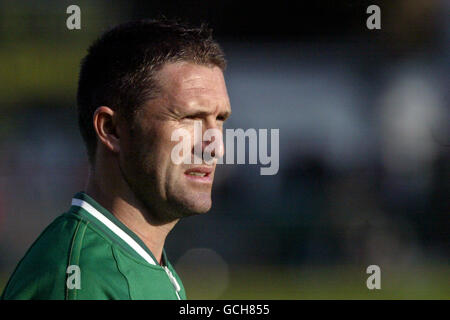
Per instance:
{"type": "Point", "coordinates": [189, 93]}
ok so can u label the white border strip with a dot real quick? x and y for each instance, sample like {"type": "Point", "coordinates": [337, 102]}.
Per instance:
{"type": "Point", "coordinates": [125, 237]}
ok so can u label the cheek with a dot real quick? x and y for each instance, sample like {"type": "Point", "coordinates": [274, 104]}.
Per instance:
{"type": "Point", "coordinates": [161, 154]}
{"type": "Point", "coordinates": [153, 150]}
{"type": "Point", "coordinates": [180, 143]}
{"type": "Point", "coordinates": [139, 152]}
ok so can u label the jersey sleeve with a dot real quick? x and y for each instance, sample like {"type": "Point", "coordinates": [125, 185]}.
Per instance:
{"type": "Point", "coordinates": [69, 261]}
{"type": "Point", "coordinates": [94, 274]}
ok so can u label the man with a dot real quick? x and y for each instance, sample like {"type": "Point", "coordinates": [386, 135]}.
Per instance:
{"type": "Point", "coordinates": [138, 84]}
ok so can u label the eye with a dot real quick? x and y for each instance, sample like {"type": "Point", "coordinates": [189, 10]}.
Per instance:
{"type": "Point", "coordinates": [195, 116]}
{"type": "Point", "coordinates": [191, 117]}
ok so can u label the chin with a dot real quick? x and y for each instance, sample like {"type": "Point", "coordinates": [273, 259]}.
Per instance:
{"type": "Point", "coordinates": [199, 208]}
{"type": "Point", "coordinates": [196, 204]}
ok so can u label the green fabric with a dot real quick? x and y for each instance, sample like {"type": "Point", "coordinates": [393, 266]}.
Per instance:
{"type": "Point", "coordinates": [109, 267]}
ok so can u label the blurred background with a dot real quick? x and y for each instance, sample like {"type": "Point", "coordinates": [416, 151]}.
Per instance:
{"type": "Point", "coordinates": [364, 144]}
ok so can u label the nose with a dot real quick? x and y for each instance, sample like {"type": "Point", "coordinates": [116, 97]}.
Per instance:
{"type": "Point", "coordinates": [210, 144]}
{"type": "Point", "coordinates": [214, 146]}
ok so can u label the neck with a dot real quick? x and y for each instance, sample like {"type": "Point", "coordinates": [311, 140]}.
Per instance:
{"type": "Point", "coordinates": [118, 199]}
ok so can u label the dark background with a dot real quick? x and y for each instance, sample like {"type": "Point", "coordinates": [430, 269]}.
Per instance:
{"type": "Point", "coordinates": [364, 144]}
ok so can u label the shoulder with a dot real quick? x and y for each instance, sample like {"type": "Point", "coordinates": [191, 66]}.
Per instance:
{"type": "Point", "coordinates": [42, 269]}
{"type": "Point", "coordinates": [91, 255]}
{"type": "Point", "coordinates": [68, 245]}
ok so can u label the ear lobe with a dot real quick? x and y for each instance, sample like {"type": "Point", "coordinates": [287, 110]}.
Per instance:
{"type": "Point", "coordinates": [105, 125]}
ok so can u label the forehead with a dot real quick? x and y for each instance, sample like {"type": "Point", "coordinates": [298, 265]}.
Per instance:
{"type": "Point", "coordinates": [188, 84]}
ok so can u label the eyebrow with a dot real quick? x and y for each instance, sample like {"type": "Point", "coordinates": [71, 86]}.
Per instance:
{"type": "Point", "coordinates": [225, 114]}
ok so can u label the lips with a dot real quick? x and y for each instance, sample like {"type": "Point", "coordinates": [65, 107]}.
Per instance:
{"type": "Point", "coordinates": [199, 173]}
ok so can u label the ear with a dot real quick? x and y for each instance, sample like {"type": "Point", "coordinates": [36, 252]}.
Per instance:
{"type": "Point", "coordinates": [105, 125]}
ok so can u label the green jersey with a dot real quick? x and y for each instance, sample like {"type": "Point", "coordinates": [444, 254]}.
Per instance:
{"type": "Point", "coordinates": [87, 253]}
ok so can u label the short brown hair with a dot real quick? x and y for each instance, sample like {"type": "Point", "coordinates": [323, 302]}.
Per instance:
{"type": "Point", "coordinates": [119, 69]}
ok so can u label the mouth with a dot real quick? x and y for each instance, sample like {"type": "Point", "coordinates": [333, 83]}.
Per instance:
{"type": "Point", "coordinates": [200, 174]}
